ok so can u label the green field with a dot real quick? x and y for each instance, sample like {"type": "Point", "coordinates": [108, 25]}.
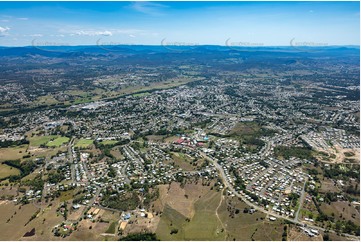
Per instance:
{"type": "Point", "coordinates": [205, 224]}
{"type": "Point", "coordinates": [111, 229]}
{"type": "Point", "coordinates": [6, 171]}
{"type": "Point", "coordinates": [41, 140]}
{"type": "Point", "coordinates": [84, 143]}
{"type": "Point", "coordinates": [57, 142]}
{"type": "Point", "coordinates": [171, 219]}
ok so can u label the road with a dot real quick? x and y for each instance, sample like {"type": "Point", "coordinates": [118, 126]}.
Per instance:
{"type": "Point", "coordinates": [71, 160]}
{"type": "Point", "coordinates": [230, 187]}
{"type": "Point", "coordinates": [301, 201]}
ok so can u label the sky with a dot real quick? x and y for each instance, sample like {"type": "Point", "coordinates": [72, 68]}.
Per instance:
{"type": "Point", "coordinates": [180, 23]}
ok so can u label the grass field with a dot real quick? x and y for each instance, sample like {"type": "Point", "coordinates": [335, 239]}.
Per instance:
{"type": "Point", "coordinates": [66, 195]}
{"type": "Point", "coordinates": [245, 226]}
{"type": "Point", "coordinates": [249, 128]}
{"type": "Point", "coordinates": [12, 153]}
{"type": "Point", "coordinates": [14, 229]}
{"type": "Point", "coordinates": [338, 208]}
{"type": "Point", "coordinates": [57, 142]}
{"type": "Point", "coordinates": [112, 227]}
{"type": "Point", "coordinates": [116, 153]}
{"type": "Point", "coordinates": [41, 140]}
{"type": "Point", "coordinates": [6, 171]}
{"type": "Point", "coordinates": [204, 225]}
{"type": "Point", "coordinates": [182, 161]}
{"type": "Point", "coordinates": [84, 143]}
{"type": "Point", "coordinates": [171, 219]}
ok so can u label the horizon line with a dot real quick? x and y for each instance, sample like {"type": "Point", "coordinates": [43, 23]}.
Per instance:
{"type": "Point", "coordinates": [198, 45]}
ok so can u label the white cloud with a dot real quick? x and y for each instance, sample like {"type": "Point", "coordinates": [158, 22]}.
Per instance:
{"type": "Point", "coordinates": [150, 8]}
{"type": "Point", "coordinates": [4, 31]}
{"type": "Point", "coordinates": [24, 19]}
{"type": "Point", "coordinates": [5, 20]}
{"type": "Point", "coordinates": [91, 33]}
{"type": "Point", "coordinates": [35, 35]}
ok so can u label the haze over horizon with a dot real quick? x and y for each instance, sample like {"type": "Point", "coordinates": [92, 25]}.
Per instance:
{"type": "Point", "coordinates": [248, 24]}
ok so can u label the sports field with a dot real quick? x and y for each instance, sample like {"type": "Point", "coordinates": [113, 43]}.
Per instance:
{"type": "Point", "coordinates": [57, 142]}
{"type": "Point", "coordinates": [84, 143]}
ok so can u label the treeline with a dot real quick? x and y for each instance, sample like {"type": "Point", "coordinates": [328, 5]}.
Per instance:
{"type": "Point", "coordinates": [9, 143]}
{"type": "Point", "coordinates": [340, 225]}
{"type": "Point", "coordinates": [25, 168]}
{"type": "Point", "coordinates": [121, 202]}
{"type": "Point", "coordinates": [140, 237]}
{"type": "Point", "coordinates": [342, 172]}
{"type": "Point", "coordinates": [105, 148]}
{"type": "Point", "coordinates": [298, 152]}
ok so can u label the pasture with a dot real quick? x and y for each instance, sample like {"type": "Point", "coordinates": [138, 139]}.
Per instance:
{"type": "Point", "coordinates": [12, 153]}
{"type": "Point", "coordinates": [6, 171]}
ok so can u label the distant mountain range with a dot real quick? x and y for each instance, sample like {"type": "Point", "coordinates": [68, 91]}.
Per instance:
{"type": "Point", "coordinates": [65, 51]}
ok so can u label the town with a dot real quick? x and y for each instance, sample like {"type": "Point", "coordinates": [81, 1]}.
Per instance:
{"type": "Point", "coordinates": [169, 151]}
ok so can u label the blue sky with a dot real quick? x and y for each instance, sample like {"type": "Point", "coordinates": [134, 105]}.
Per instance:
{"type": "Point", "coordinates": [179, 23]}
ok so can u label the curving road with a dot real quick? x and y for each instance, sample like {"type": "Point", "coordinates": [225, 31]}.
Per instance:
{"type": "Point", "coordinates": [295, 220]}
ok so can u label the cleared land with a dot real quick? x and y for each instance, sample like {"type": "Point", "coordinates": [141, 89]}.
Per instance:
{"type": "Point", "coordinates": [342, 210]}
{"type": "Point", "coordinates": [188, 213]}
{"type": "Point", "coordinates": [245, 226]}
{"type": "Point", "coordinates": [12, 153]}
{"type": "Point", "coordinates": [6, 171]}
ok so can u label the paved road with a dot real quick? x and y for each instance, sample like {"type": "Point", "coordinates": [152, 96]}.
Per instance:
{"type": "Point", "coordinates": [230, 187]}
{"type": "Point", "coordinates": [71, 160]}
